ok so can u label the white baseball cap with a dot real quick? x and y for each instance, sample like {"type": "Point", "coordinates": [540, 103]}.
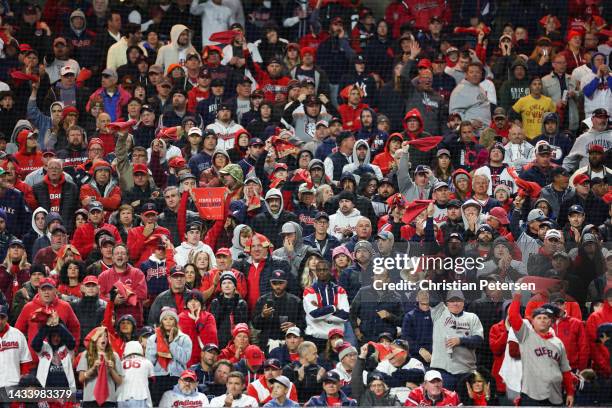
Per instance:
{"type": "Point", "coordinates": [552, 233]}
{"type": "Point", "coordinates": [67, 69]}
{"type": "Point", "coordinates": [432, 375]}
{"type": "Point", "coordinates": [195, 130]}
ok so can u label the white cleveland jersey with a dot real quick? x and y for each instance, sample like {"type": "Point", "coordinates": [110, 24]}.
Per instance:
{"type": "Point", "coordinates": [243, 402]}
{"type": "Point", "coordinates": [13, 351]}
{"type": "Point", "coordinates": [174, 399]}
{"type": "Point", "coordinates": [135, 383]}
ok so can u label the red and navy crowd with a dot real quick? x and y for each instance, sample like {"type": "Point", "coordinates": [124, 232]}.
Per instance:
{"type": "Point", "coordinates": [206, 202]}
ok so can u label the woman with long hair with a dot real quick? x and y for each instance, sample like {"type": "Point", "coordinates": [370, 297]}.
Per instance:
{"type": "Point", "coordinates": [66, 253]}
{"type": "Point", "coordinates": [341, 259]}
{"type": "Point", "coordinates": [70, 277]}
{"type": "Point", "coordinates": [169, 350]}
{"type": "Point", "coordinates": [198, 324]}
{"type": "Point", "coordinates": [99, 363]}
{"type": "Point", "coordinates": [308, 266]}
{"type": "Point", "coordinates": [322, 195]}
{"type": "Point", "coordinates": [229, 309]}
{"type": "Point", "coordinates": [443, 166]}
{"type": "Point", "coordinates": [201, 261]}
{"type": "Point", "coordinates": [192, 276]}
{"type": "Point", "coordinates": [475, 389]}
{"type": "Point", "coordinates": [15, 270]}
{"type": "Point", "coordinates": [390, 99]}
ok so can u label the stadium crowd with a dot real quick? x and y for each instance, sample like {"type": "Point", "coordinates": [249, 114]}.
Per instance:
{"type": "Point", "coordinates": [193, 195]}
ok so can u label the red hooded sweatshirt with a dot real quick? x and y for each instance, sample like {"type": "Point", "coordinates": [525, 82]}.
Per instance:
{"type": "Point", "coordinates": [351, 115]}
{"type": "Point", "coordinates": [27, 161]}
{"type": "Point", "coordinates": [599, 352]}
{"type": "Point", "coordinates": [384, 159]}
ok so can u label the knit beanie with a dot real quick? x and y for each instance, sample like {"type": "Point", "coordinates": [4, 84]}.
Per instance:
{"type": "Point", "coordinates": [168, 311]}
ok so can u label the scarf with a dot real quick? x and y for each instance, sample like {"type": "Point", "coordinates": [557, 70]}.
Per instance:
{"type": "Point", "coordinates": [162, 347]}
{"type": "Point", "coordinates": [101, 391]}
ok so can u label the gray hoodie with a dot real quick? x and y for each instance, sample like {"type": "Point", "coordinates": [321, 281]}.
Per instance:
{"type": "Point", "coordinates": [172, 53]}
{"type": "Point", "coordinates": [237, 250]}
{"type": "Point", "coordinates": [296, 257]}
{"type": "Point", "coordinates": [270, 193]}
{"type": "Point", "coordinates": [352, 167]}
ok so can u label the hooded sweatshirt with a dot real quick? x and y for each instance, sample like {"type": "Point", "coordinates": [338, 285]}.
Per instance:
{"type": "Point", "coordinates": [299, 249]}
{"type": "Point", "coordinates": [27, 161]}
{"type": "Point", "coordinates": [513, 88]}
{"type": "Point", "coordinates": [172, 53]}
{"type": "Point", "coordinates": [338, 222]}
{"type": "Point", "coordinates": [384, 160]}
{"type": "Point", "coordinates": [41, 121]}
{"type": "Point", "coordinates": [558, 140]}
{"type": "Point", "coordinates": [579, 156]}
{"type": "Point", "coordinates": [418, 157]}
{"type": "Point", "coordinates": [358, 166]}
{"type": "Point", "coordinates": [237, 250]}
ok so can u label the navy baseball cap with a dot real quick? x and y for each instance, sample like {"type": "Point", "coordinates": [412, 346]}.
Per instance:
{"type": "Point", "coordinates": [4, 310]}
{"type": "Point", "coordinates": [278, 276]}
{"type": "Point", "coordinates": [421, 168]}
{"type": "Point", "coordinates": [321, 214]}
{"type": "Point", "coordinates": [576, 208]}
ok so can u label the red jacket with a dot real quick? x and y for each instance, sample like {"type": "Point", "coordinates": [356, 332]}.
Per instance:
{"type": "Point", "coordinates": [599, 353]}
{"type": "Point", "coordinates": [418, 397]}
{"type": "Point", "coordinates": [384, 159]}
{"type": "Point", "coordinates": [194, 96]}
{"type": "Point", "coordinates": [423, 10]}
{"type": "Point", "coordinates": [110, 198]}
{"type": "Point", "coordinates": [271, 87]}
{"type": "Point", "coordinates": [133, 277]}
{"type": "Point", "coordinates": [28, 193]}
{"type": "Point", "coordinates": [139, 249]}
{"type": "Point", "coordinates": [31, 328]}
{"type": "Point", "coordinates": [351, 117]}
{"type": "Point", "coordinates": [201, 332]}
{"type": "Point", "coordinates": [396, 15]}
{"type": "Point", "coordinates": [12, 280]}
{"type": "Point", "coordinates": [83, 237]}
{"type": "Point", "coordinates": [573, 335]}
{"type": "Point", "coordinates": [27, 162]}
{"type": "Point", "coordinates": [572, 308]}
{"type": "Point", "coordinates": [498, 338]}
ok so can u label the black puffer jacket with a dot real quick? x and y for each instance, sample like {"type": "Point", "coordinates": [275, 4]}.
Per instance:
{"type": "Point", "coordinates": [68, 205]}
{"type": "Point", "coordinates": [228, 312]}
{"type": "Point", "coordinates": [90, 312]}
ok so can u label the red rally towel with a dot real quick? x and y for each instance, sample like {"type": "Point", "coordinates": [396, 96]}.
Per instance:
{"type": "Point", "coordinates": [101, 391]}
{"type": "Point", "coordinates": [413, 209]}
{"type": "Point", "coordinates": [162, 347]}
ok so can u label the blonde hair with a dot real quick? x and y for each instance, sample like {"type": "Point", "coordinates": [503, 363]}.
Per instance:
{"type": "Point", "coordinates": [193, 256]}
{"type": "Point", "coordinates": [92, 349]}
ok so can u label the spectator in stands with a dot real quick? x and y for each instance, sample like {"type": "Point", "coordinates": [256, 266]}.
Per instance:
{"type": "Point", "coordinates": [468, 98]}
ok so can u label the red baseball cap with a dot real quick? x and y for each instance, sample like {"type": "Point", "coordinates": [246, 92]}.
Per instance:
{"type": "Point", "coordinates": [189, 374]}
{"type": "Point", "coordinates": [254, 356]}
{"type": "Point", "coordinates": [140, 168]}
{"type": "Point", "coordinates": [581, 179]}
{"type": "Point", "coordinates": [500, 214]}
{"type": "Point", "coordinates": [47, 282]}
{"type": "Point", "coordinates": [223, 251]}
{"type": "Point", "coordinates": [596, 148]}
{"type": "Point", "coordinates": [90, 279]}
{"type": "Point", "coordinates": [424, 63]}
{"type": "Point", "coordinates": [335, 332]}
